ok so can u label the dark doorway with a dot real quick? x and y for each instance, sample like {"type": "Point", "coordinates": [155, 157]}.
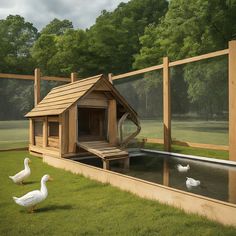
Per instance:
{"type": "Point", "coordinates": [92, 124]}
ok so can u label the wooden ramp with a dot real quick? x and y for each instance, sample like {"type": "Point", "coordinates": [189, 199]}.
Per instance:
{"type": "Point", "coordinates": [105, 151]}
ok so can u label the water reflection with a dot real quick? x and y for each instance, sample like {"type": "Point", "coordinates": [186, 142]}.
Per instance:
{"type": "Point", "coordinates": [216, 181]}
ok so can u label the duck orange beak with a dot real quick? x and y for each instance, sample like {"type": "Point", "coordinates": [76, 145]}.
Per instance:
{"type": "Point", "coordinates": [30, 161]}
{"type": "Point", "coordinates": [50, 178]}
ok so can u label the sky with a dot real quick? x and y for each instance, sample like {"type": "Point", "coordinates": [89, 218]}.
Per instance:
{"type": "Point", "coordinates": [82, 13]}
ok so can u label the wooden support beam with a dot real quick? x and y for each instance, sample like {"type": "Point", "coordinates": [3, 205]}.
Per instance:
{"type": "Point", "coordinates": [231, 186]}
{"type": "Point", "coordinates": [112, 122]}
{"type": "Point", "coordinates": [232, 100]}
{"type": "Point", "coordinates": [126, 163]}
{"type": "Point", "coordinates": [110, 75]}
{"type": "Point", "coordinates": [73, 77]}
{"type": "Point", "coordinates": [106, 164]}
{"type": "Point", "coordinates": [31, 132]}
{"type": "Point", "coordinates": [61, 133]}
{"type": "Point", "coordinates": [166, 173]}
{"type": "Point", "coordinates": [36, 86]}
{"type": "Point", "coordinates": [45, 132]}
{"type": "Point", "coordinates": [166, 105]}
{"type": "Point", "coordinates": [72, 128]}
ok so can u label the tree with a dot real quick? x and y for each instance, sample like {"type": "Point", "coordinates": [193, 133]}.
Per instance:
{"type": "Point", "coordinates": [188, 29]}
{"type": "Point", "coordinates": [17, 37]}
{"type": "Point", "coordinates": [57, 27]}
{"type": "Point", "coordinates": [72, 53]}
{"type": "Point", "coordinates": [114, 39]}
{"type": "Point", "coordinates": [43, 51]}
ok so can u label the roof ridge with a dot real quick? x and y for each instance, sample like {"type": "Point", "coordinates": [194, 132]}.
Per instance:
{"type": "Point", "coordinates": [78, 81]}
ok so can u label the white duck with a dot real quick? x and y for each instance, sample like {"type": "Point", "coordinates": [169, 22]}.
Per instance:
{"type": "Point", "coordinates": [32, 198]}
{"type": "Point", "coordinates": [22, 175]}
{"type": "Point", "coordinates": [190, 182]}
{"type": "Point", "coordinates": [181, 168]}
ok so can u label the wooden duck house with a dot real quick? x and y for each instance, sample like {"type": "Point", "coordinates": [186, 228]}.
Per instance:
{"type": "Point", "coordinates": [83, 116]}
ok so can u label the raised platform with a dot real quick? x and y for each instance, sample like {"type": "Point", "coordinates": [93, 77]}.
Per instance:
{"type": "Point", "coordinates": [105, 151]}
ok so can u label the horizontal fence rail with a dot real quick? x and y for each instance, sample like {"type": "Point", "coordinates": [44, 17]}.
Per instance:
{"type": "Point", "coordinates": [137, 72]}
{"type": "Point", "coordinates": [199, 58]}
{"type": "Point", "coordinates": [174, 63]}
{"type": "Point", "coordinates": [32, 77]}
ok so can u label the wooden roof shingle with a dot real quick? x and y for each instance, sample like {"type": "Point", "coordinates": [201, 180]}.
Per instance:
{"type": "Point", "coordinates": [59, 99]}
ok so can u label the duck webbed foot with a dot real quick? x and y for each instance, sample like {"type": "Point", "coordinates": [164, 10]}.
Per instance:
{"type": "Point", "coordinates": [31, 209]}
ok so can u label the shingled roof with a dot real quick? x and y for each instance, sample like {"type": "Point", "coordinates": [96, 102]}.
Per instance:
{"type": "Point", "coordinates": [59, 99]}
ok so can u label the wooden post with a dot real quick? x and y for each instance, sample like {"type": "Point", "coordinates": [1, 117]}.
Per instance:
{"type": "Point", "coordinates": [36, 86]}
{"type": "Point", "coordinates": [106, 164]}
{"type": "Point", "coordinates": [45, 132]}
{"type": "Point", "coordinates": [231, 186]}
{"type": "Point", "coordinates": [166, 173]}
{"type": "Point", "coordinates": [166, 105]}
{"type": "Point", "coordinates": [126, 163]}
{"type": "Point", "coordinates": [112, 122]}
{"type": "Point", "coordinates": [232, 100]}
{"type": "Point", "coordinates": [72, 129]}
{"type": "Point", "coordinates": [110, 77]}
{"type": "Point", "coordinates": [31, 132]}
{"type": "Point", "coordinates": [73, 77]}
{"type": "Point", "coordinates": [61, 133]}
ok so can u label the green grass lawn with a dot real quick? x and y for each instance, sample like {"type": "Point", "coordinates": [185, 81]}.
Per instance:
{"type": "Point", "coordinates": [209, 132]}
{"type": "Point", "coordinates": [79, 206]}
{"type": "Point", "coordinates": [191, 151]}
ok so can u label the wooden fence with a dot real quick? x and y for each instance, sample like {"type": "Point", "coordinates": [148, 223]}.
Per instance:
{"type": "Point", "coordinates": [37, 78]}
{"type": "Point", "coordinates": [165, 67]}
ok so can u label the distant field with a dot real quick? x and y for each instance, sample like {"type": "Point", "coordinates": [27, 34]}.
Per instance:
{"type": "Point", "coordinates": [209, 132]}
{"type": "Point", "coordinates": [15, 133]}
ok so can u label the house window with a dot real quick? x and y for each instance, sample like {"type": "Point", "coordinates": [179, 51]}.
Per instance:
{"type": "Point", "coordinates": [38, 128]}
{"type": "Point", "coordinates": [53, 129]}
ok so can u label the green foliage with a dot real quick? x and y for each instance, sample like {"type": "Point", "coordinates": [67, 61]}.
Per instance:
{"type": "Point", "coordinates": [71, 53]}
{"type": "Point", "coordinates": [114, 39]}
{"type": "Point", "coordinates": [191, 28]}
{"type": "Point", "coordinates": [57, 27]}
{"type": "Point", "coordinates": [17, 37]}
{"type": "Point", "coordinates": [43, 51]}
{"type": "Point", "coordinates": [78, 206]}
{"type": "Point", "coordinates": [135, 35]}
